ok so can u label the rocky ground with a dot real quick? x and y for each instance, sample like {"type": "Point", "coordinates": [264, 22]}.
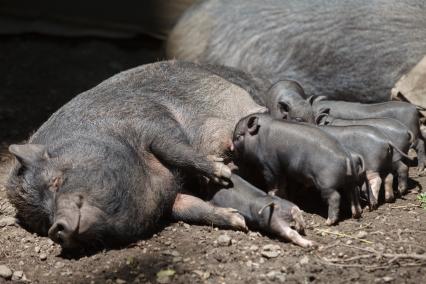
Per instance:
{"type": "Point", "coordinates": [385, 246]}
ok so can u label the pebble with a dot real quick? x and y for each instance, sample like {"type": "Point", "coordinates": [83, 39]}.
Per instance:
{"type": "Point", "coordinates": [186, 226]}
{"type": "Point", "coordinates": [43, 256]}
{"type": "Point", "coordinates": [120, 281]}
{"type": "Point", "coordinates": [304, 260]}
{"type": "Point", "coordinates": [361, 234]}
{"type": "Point", "coordinates": [17, 275]}
{"type": "Point", "coordinates": [5, 272]}
{"type": "Point", "coordinates": [224, 240]}
{"type": "Point", "coordinates": [387, 279]}
{"type": "Point", "coordinates": [276, 275]}
{"type": "Point", "coordinates": [7, 221]}
{"type": "Point", "coordinates": [37, 249]}
{"type": "Point", "coordinates": [254, 248]}
{"type": "Point", "coordinates": [270, 251]}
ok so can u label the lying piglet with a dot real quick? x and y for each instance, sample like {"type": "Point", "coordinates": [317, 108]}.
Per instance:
{"type": "Point", "coordinates": [260, 210]}
{"type": "Point", "coordinates": [284, 150]}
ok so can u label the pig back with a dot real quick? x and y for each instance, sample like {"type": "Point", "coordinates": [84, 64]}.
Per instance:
{"type": "Point", "coordinates": [351, 50]}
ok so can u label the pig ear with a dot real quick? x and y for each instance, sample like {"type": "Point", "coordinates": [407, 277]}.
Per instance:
{"type": "Point", "coordinates": [29, 154]}
{"type": "Point", "coordinates": [284, 107]}
{"type": "Point", "coordinates": [253, 125]}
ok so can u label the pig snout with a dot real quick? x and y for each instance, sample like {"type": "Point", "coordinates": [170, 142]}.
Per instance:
{"type": "Point", "coordinates": [62, 232]}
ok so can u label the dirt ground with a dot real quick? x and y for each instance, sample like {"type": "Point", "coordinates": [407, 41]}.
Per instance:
{"type": "Point", "coordinates": [39, 74]}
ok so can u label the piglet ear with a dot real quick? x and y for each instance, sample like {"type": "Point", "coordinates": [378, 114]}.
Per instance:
{"type": "Point", "coordinates": [29, 154]}
{"type": "Point", "coordinates": [315, 98]}
{"type": "Point", "coordinates": [253, 125]}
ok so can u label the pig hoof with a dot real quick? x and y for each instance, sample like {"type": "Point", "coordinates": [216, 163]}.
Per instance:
{"type": "Point", "coordinates": [331, 222]}
{"type": "Point", "coordinates": [357, 215]}
{"type": "Point", "coordinates": [421, 172]}
{"type": "Point", "coordinates": [232, 218]}
{"type": "Point", "coordinates": [389, 199]}
{"type": "Point", "coordinates": [402, 190]}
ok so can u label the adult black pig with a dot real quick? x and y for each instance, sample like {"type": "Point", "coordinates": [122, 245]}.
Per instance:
{"type": "Point", "coordinates": [347, 50]}
{"type": "Point", "coordinates": [112, 162]}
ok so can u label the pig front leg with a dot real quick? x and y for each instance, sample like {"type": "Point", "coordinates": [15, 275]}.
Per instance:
{"type": "Point", "coordinates": [178, 153]}
{"type": "Point", "coordinates": [191, 209]}
{"type": "Point", "coordinates": [333, 198]}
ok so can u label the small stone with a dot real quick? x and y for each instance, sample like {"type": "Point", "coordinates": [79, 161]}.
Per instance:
{"type": "Point", "coordinates": [224, 240]}
{"type": "Point", "coordinates": [387, 279]}
{"type": "Point", "coordinates": [361, 234]}
{"type": "Point", "coordinates": [37, 249]}
{"type": "Point", "coordinates": [120, 281]}
{"type": "Point", "coordinates": [304, 260]}
{"type": "Point", "coordinates": [177, 259]}
{"type": "Point", "coordinates": [21, 263]}
{"type": "Point", "coordinates": [349, 242]}
{"type": "Point", "coordinates": [17, 275]}
{"type": "Point", "coordinates": [164, 276]}
{"type": "Point", "coordinates": [5, 272]}
{"type": "Point", "coordinates": [7, 221]}
{"type": "Point", "coordinates": [186, 226]}
{"type": "Point", "coordinates": [254, 248]}
{"type": "Point", "coordinates": [59, 264]}
{"type": "Point", "coordinates": [270, 251]}
{"type": "Point", "coordinates": [420, 251]}
{"type": "Point", "coordinates": [43, 256]}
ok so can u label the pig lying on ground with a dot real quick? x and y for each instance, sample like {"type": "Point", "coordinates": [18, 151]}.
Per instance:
{"type": "Point", "coordinates": [377, 151]}
{"type": "Point", "coordinates": [347, 50]}
{"type": "Point", "coordinates": [394, 130]}
{"type": "Point", "coordinates": [405, 113]}
{"type": "Point", "coordinates": [284, 150]}
{"type": "Point", "coordinates": [111, 163]}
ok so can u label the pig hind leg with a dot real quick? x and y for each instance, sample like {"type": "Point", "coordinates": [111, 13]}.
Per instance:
{"type": "Point", "coordinates": [421, 155]}
{"type": "Point", "coordinates": [375, 183]}
{"type": "Point", "coordinates": [402, 171]}
{"type": "Point", "coordinates": [191, 209]}
{"type": "Point", "coordinates": [388, 184]}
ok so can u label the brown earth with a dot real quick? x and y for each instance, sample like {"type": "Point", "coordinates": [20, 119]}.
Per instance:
{"type": "Point", "coordinates": [40, 74]}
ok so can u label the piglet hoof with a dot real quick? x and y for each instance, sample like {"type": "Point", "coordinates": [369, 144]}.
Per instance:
{"type": "Point", "coordinates": [232, 218]}
{"type": "Point", "coordinates": [389, 198]}
{"type": "Point", "coordinates": [309, 244]}
{"type": "Point", "coordinates": [331, 221]}
{"type": "Point", "coordinates": [222, 173]}
{"type": "Point", "coordinates": [421, 171]}
{"type": "Point", "coordinates": [402, 190]}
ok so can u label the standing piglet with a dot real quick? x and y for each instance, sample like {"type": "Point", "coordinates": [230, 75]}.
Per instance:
{"type": "Point", "coordinates": [394, 130]}
{"type": "Point", "coordinates": [405, 113]}
{"type": "Point", "coordinates": [284, 150]}
{"type": "Point", "coordinates": [377, 151]}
